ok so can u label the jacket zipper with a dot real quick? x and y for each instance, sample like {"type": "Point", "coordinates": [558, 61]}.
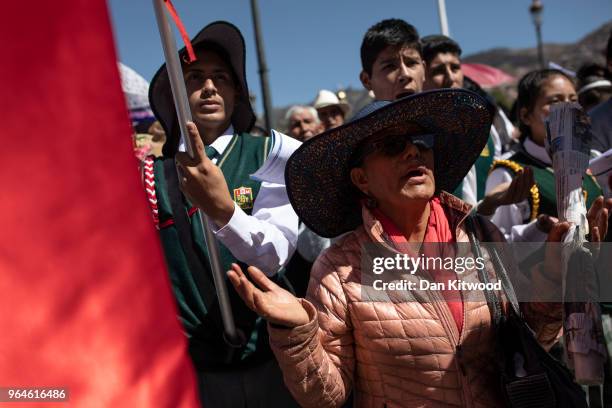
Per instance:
{"type": "Point", "coordinates": [450, 327]}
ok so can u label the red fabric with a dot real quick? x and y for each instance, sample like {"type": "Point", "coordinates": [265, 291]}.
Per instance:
{"type": "Point", "coordinates": [438, 231]}
{"type": "Point", "coordinates": [485, 75]}
{"type": "Point", "coordinates": [85, 299]}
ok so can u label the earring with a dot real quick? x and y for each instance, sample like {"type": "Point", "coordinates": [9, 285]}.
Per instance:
{"type": "Point", "coordinates": [371, 202]}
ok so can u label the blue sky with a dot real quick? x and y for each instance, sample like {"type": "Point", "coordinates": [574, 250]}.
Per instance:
{"type": "Point", "coordinates": [315, 44]}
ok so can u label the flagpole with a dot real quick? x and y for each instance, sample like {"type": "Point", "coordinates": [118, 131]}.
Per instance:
{"type": "Point", "coordinates": [177, 83]}
{"type": "Point", "coordinates": [443, 19]}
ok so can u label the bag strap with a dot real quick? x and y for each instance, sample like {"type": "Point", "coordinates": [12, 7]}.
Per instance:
{"type": "Point", "coordinates": [200, 273]}
{"type": "Point", "coordinates": [492, 301]}
{"type": "Point", "coordinates": [500, 271]}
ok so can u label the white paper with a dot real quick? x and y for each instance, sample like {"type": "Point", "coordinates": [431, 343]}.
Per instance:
{"type": "Point", "coordinates": [273, 169]}
{"type": "Point", "coordinates": [602, 164]}
{"type": "Point", "coordinates": [568, 144]}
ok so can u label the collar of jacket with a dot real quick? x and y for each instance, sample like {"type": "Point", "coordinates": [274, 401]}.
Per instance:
{"type": "Point", "coordinates": [456, 210]}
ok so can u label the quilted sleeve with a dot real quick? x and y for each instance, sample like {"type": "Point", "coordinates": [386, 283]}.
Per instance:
{"type": "Point", "coordinates": [317, 359]}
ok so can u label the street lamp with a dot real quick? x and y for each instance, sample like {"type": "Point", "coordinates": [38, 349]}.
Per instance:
{"type": "Point", "coordinates": [536, 15]}
{"type": "Point", "coordinates": [263, 68]}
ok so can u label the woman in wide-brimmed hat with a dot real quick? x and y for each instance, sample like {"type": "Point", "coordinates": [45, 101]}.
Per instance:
{"type": "Point", "coordinates": [384, 177]}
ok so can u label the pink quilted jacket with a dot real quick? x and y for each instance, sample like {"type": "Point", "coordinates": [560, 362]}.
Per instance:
{"type": "Point", "coordinates": [392, 354]}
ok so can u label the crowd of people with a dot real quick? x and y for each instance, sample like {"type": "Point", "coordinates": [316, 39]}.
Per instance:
{"type": "Point", "coordinates": [432, 159]}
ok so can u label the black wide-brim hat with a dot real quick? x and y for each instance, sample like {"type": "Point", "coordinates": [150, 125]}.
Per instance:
{"type": "Point", "coordinates": [318, 174]}
{"type": "Point", "coordinates": [228, 37]}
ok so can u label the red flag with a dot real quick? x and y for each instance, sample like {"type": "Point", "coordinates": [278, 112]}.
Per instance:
{"type": "Point", "coordinates": [85, 301]}
{"type": "Point", "coordinates": [485, 75]}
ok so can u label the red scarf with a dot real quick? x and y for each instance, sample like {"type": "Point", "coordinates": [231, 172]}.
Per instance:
{"type": "Point", "coordinates": [438, 230]}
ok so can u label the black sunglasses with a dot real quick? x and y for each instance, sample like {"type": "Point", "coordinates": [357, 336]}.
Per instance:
{"type": "Point", "coordinates": [392, 145]}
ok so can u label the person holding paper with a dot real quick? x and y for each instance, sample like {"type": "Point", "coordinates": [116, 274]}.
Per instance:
{"type": "Point", "coordinates": [253, 220]}
{"type": "Point", "coordinates": [530, 219]}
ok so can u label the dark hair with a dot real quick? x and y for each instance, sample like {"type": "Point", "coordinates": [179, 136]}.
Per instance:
{"type": "Point", "coordinates": [528, 91]}
{"type": "Point", "coordinates": [589, 70]}
{"type": "Point", "coordinates": [593, 96]}
{"type": "Point", "coordinates": [436, 44]}
{"type": "Point", "coordinates": [390, 32]}
{"type": "Point", "coordinates": [609, 48]}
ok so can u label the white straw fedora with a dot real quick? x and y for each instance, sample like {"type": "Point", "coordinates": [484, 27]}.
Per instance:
{"type": "Point", "coordinates": [328, 98]}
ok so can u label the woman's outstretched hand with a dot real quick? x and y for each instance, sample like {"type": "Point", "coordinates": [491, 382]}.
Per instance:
{"type": "Point", "coordinates": [271, 302]}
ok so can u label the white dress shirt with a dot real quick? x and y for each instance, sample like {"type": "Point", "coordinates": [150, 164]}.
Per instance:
{"type": "Point", "coordinates": [513, 220]}
{"type": "Point", "coordinates": [310, 245]}
{"type": "Point", "coordinates": [267, 238]}
{"type": "Point", "coordinates": [469, 187]}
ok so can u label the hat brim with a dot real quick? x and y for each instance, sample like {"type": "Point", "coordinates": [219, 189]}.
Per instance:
{"type": "Point", "coordinates": [317, 174]}
{"type": "Point", "coordinates": [228, 37]}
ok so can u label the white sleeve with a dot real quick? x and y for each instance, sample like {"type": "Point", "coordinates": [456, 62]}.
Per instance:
{"type": "Point", "coordinates": [527, 233]}
{"type": "Point", "coordinates": [309, 244]}
{"type": "Point", "coordinates": [468, 190]}
{"type": "Point", "coordinates": [496, 142]}
{"type": "Point", "coordinates": [267, 238]}
{"type": "Point", "coordinates": [506, 217]}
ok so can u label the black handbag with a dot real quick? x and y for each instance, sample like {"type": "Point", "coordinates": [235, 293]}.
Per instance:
{"type": "Point", "coordinates": [543, 381]}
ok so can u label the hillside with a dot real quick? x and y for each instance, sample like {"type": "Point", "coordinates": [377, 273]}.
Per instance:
{"type": "Point", "coordinates": [571, 56]}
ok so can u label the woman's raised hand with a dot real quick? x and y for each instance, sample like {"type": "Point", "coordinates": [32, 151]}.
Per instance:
{"type": "Point", "coordinates": [271, 302]}
{"type": "Point", "coordinates": [508, 193]}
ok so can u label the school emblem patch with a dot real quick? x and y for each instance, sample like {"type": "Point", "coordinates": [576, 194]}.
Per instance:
{"type": "Point", "coordinates": [485, 152]}
{"type": "Point", "coordinates": [243, 196]}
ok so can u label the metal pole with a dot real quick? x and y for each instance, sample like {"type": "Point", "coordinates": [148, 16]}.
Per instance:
{"type": "Point", "coordinates": [175, 73]}
{"type": "Point", "coordinates": [538, 28]}
{"type": "Point", "coordinates": [535, 10]}
{"type": "Point", "coordinates": [177, 83]}
{"type": "Point", "coordinates": [263, 69]}
{"type": "Point", "coordinates": [443, 19]}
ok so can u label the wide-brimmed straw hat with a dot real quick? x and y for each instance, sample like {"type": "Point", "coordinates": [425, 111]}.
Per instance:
{"type": "Point", "coordinates": [228, 37]}
{"type": "Point", "coordinates": [327, 98]}
{"type": "Point", "coordinates": [318, 173]}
